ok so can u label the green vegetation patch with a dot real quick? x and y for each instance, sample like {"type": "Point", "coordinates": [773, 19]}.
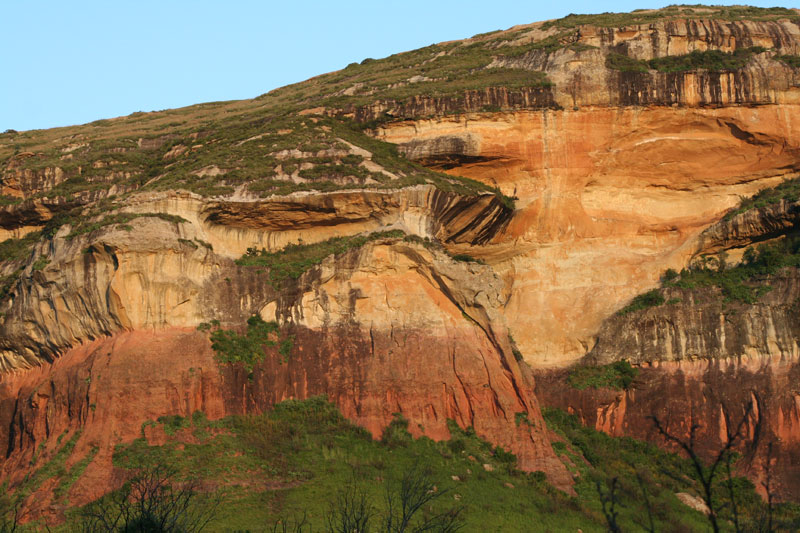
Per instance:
{"type": "Point", "coordinates": [791, 60]}
{"type": "Point", "coordinates": [121, 219]}
{"type": "Point", "coordinates": [17, 249]}
{"type": "Point", "coordinates": [747, 281]}
{"type": "Point", "coordinates": [652, 298]}
{"type": "Point", "coordinates": [295, 259]}
{"type": "Point", "coordinates": [625, 63]}
{"type": "Point", "coordinates": [249, 349]}
{"type": "Point", "coordinates": [8, 282]}
{"type": "Point", "coordinates": [53, 468]}
{"type": "Point", "coordinates": [6, 200]}
{"type": "Point", "coordinates": [299, 459]}
{"type": "Point", "coordinates": [645, 481]}
{"type": "Point", "coordinates": [712, 60]}
{"type": "Point", "coordinates": [618, 375]}
{"type": "Point", "coordinates": [641, 16]}
{"type": "Point", "coordinates": [73, 474]}
{"type": "Point", "coordinates": [788, 191]}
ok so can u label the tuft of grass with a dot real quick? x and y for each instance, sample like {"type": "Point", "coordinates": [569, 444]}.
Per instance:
{"type": "Point", "coordinates": [711, 60]}
{"type": "Point", "coordinates": [788, 191]}
{"type": "Point", "coordinates": [791, 60]}
{"type": "Point", "coordinates": [618, 376]}
{"type": "Point", "coordinates": [747, 281]}
{"type": "Point", "coordinates": [295, 259]}
{"type": "Point", "coordinates": [652, 298]}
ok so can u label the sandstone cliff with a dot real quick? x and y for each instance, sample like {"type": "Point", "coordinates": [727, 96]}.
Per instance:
{"type": "Point", "coordinates": [573, 180]}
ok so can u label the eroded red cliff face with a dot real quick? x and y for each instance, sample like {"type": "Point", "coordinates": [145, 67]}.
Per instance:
{"type": "Point", "coordinates": [710, 393]}
{"type": "Point", "coordinates": [105, 390]}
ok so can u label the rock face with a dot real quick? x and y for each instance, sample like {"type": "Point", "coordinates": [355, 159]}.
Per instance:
{"type": "Point", "coordinates": [703, 358]}
{"type": "Point", "coordinates": [158, 275]}
{"type": "Point", "coordinates": [582, 79]}
{"type": "Point", "coordinates": [617, 176]}
{"type": "Point", "coordinates": [607, 200]}
{"type": "Point", "coordinates": [710, 393]}
{"type": "Point", "coordinates": [380, 331]}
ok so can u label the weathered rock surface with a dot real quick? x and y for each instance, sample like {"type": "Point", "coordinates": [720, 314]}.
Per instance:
{"type": "Point", "coordinates": [702, 358]}
{"type": "Point", "coordinates": [157, 275]}
{"type": "Point", "coordinates": [754, 225]}
{"type": "Point", "coordinates": [711, 393]}
{"type": "Point", "coordinates": [617, 177]}
{"type": "Point", "coordinates": [379, 330]}
{"type": "Point", "coordinates": [582, 79]}
{"type": "Point", "coordinates": [704, 326]}
{"type": "Point", "coordinates": [607, 200]}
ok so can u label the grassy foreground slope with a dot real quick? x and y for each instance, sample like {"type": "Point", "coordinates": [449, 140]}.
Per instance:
{"type": "Point", "coordinates": [298, 459]}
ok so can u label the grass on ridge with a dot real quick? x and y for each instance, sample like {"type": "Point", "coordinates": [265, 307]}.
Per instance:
{"type": "Point", "coordinates": [711, 60]}
{"type": "Point", "coordinates": [642, 16]}
{"type": "Point", "coordinates": [295, 259]}
{"type": "Point", "coordinates": [789, 191]}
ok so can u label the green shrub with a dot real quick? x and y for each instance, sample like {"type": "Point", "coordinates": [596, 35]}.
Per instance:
{"type": "Point", "coordinates": [791, 60]}
{"type": "Point", "coordinates": [618, 375]}
{"type": "Point", "coordinates": [250, 348]}
{"type": "Point", "coordinates": [652, 298]}
{"type": "Point", "coordinates": [40, 263]}
{"type": "Point", "coordinates": [624, 63]}
{"type": "Point", "coordinates": [747, 281]}
{"type": "Point", "coordinates": [396, 433]}
{"type": "Point", "coordinates": [788, 191]}
{"type": "Point", "coordinates": [295, 259]}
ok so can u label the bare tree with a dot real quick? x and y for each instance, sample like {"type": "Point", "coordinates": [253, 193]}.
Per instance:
{"type": "Point", "coordinates": [417, 490]}
{"type": "Point", "coordinates": [351, 511]}
{"type": "Point", "coordinates": [408, 507]}
{"type": "Point", "coordinates": [707, 475]}
{"type": "Point", "coordinates": [298, 525]}
{"type": "Point", "coordinates": [767, 522]}
{"type": "Point", "coordinates": [153, 500]}
{"type": "Point", "coordinates": [609, 502]}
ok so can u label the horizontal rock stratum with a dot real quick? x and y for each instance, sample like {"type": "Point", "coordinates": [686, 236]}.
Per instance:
{"type": "Point", "coordinates": [529, 182]}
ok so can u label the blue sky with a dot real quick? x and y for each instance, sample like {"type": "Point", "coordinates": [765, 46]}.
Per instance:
{"type": "Point", "coordinates": [71, 62]}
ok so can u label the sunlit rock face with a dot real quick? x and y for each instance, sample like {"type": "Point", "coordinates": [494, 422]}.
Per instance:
{"type": "Point", "coordinates": [608, 198]}
{"type": "Point", "coordinates": [617, 176]}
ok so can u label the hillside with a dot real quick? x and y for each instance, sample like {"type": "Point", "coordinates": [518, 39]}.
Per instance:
{"type": "Point", "coordinates": [442, 233]}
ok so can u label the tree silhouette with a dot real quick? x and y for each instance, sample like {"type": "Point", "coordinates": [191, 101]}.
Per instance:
{"type": "Point", "coordinates": [706, 475]}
